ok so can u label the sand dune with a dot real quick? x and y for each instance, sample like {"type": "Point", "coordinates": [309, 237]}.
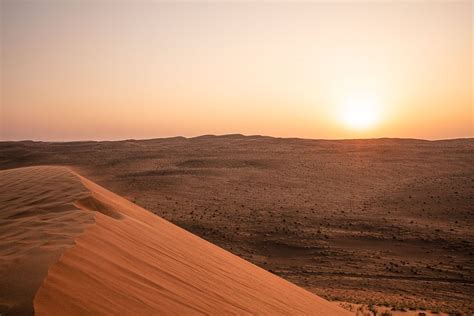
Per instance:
{"type": "Point", "coordinates": [38, 220]}
{"type": "Point", "coordinates": [117, 258]}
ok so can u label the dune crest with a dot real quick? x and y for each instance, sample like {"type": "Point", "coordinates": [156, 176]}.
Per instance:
{"type": "Point", "coordinates": [129, 261]}
{"type": "Point", "coordinates": [38, 220]}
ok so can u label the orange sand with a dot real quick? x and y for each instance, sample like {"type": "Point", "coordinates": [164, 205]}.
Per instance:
{"type": "Point", "coordinates": [118, 258]}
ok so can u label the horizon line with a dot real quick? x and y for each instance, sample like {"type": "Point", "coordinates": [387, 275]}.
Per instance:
{"type": "Point", "coordinates": [235, 135]}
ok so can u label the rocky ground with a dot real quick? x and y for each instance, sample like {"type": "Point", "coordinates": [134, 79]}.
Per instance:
{"type": "Point", "coordinates": [385, 222]}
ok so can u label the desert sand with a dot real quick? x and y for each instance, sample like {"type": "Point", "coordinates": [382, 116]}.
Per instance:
{"type": "Point", "coordinates": [38, 221]}
{"type": "Point", "coordinates": [71, 247]}
{"type": "Point", "coordinates": [382, 221]}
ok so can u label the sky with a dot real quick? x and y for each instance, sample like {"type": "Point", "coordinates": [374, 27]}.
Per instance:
{"type": "Point", "coordinates": [96, 70]}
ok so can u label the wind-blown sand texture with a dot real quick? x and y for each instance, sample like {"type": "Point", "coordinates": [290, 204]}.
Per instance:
{"type": "Point", "coordinates": [38, 221]}
{"type": "Point", "coordinates": [93, 252]}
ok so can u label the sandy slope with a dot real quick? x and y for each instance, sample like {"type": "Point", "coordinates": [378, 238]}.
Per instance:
{"type": "Point", "coordinates": [38, 220]}
{"type": "Point", "coordinates": [127, 261]}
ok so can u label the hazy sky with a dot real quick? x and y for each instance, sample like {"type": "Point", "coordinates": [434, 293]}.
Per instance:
{"type": "Point", "coordinates": [75, 70]}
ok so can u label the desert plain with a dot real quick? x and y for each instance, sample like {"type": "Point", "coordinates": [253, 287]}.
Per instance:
{"type": "Point", "coordinates": [386, 222]}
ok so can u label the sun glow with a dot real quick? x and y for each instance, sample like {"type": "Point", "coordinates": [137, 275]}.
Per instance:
{"type": "Point", "coordinates": [360, 112]}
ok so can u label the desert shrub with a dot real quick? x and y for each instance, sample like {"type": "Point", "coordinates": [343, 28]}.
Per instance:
{"type": "Point", "coordinates": [373, 309]}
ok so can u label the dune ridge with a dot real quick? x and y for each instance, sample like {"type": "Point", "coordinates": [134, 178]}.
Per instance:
{"type": "Point", "coordinates": [125, 260]}
{"type": "Point", "coordinates": [38, 221]}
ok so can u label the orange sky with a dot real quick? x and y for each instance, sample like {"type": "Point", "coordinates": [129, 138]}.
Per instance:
{"type": "Point", "coordinates": [74, 70]}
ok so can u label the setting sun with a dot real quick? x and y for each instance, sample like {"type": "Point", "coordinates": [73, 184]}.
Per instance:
{"type": "Point", "coordinates": [360, 112]}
